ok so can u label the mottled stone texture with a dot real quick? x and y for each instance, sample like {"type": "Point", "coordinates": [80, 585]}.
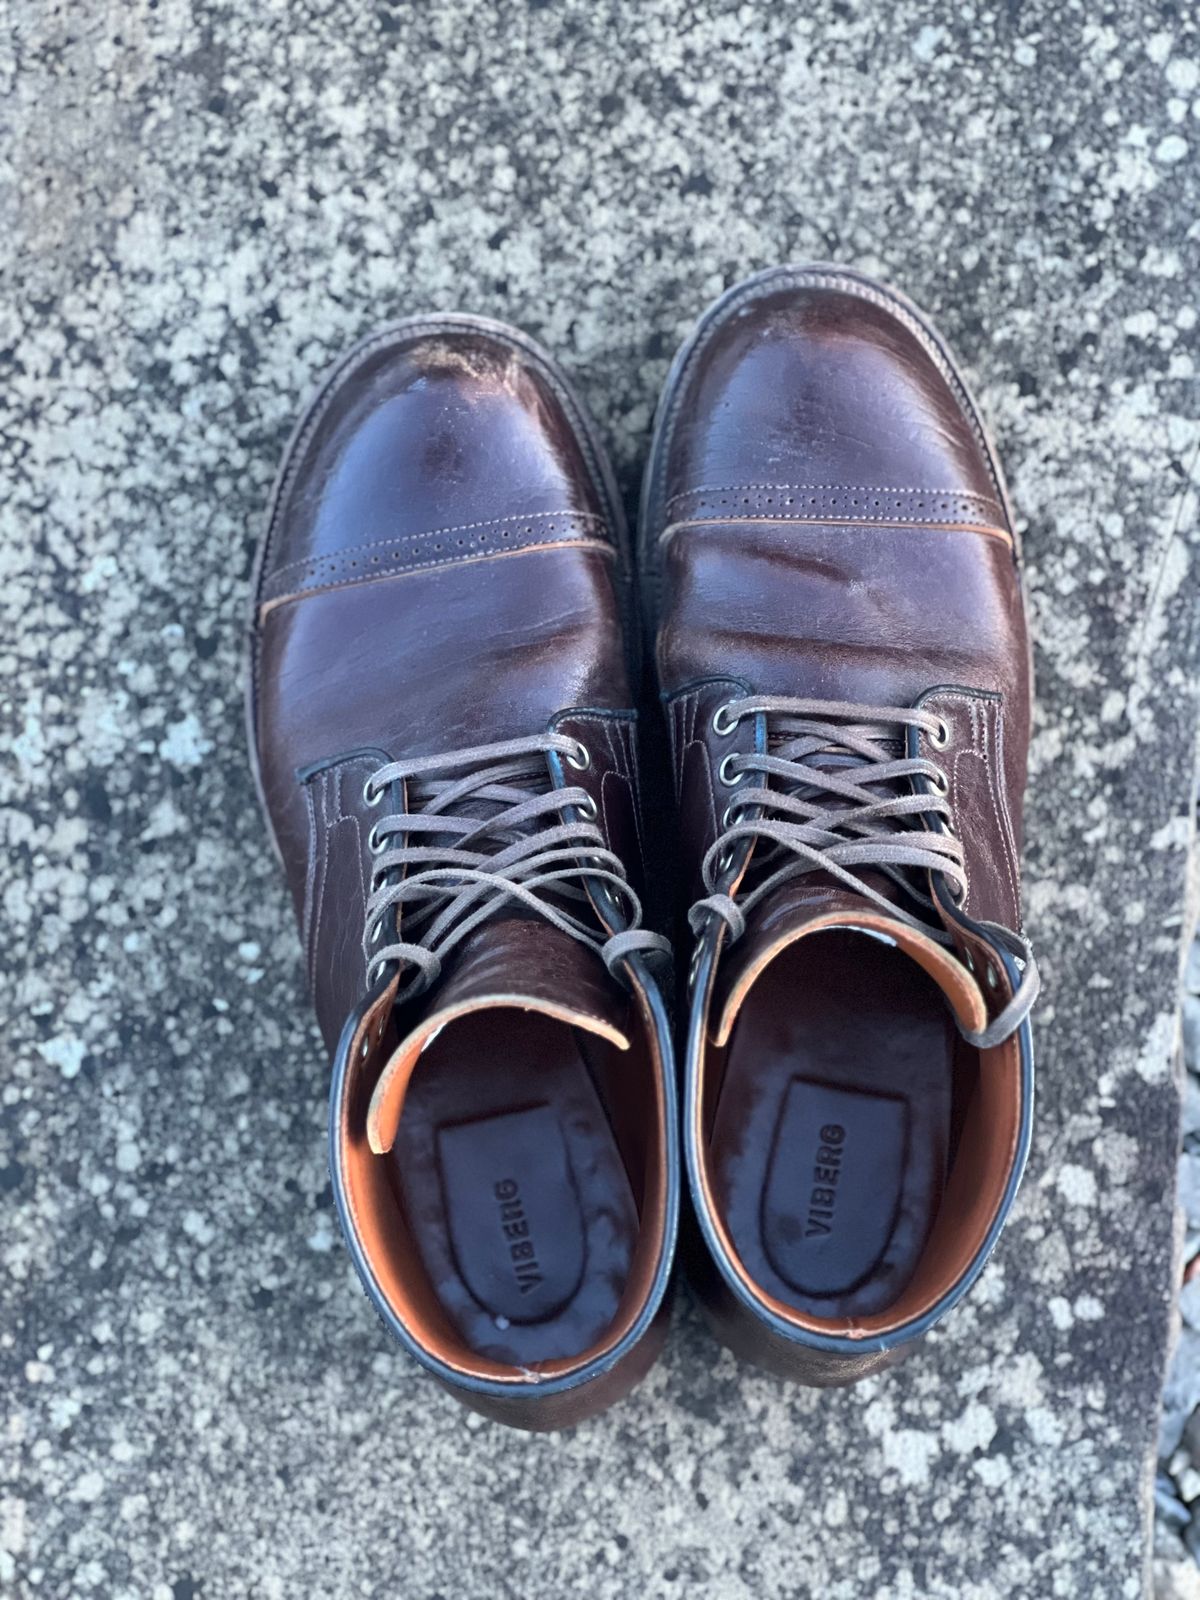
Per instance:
{"type": "Point", "coordinates": [201, 205]}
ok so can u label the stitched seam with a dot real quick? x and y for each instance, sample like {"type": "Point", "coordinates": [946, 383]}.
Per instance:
{"type": "Point", "coordinates": [673, 528]}
{"type": "Point", "coordinates": [311, 871]}
{"type": "Point", "coordinates": [625, 771]}
{"type": "Point", "coordinates": [611, 776]}
{"type": "Point", "coordinates": [954, 778]}
{"type": "Point", "coordinates": [319, 898]}
{"type": "Point", "coordinates": [815, 493]}
{"type": "Point", "coordinates": [350, 364]}
{"type": "Point", "coordinates": [998, 720]}
{"type": "Point", "coordinates": [853, 287]}
{"type": "Point", "coordinates": [859, 488]}
{"type": "Point", "coordinates": [698, 744]}
{"type": "Point", "coordinates": [324, 569]}
{"type": "Point", "coordinates": [433, 533]}
{"type": "Point", "coordinates": [635, 791]}
{"type": "Point", "coordinates": [358, 856]}
{"type": "Point", "coordinates": [686, 728]}
{"type": "Point", "coordinates": [614, 730]}
{"type": "Point", "coordinates": [970, 703]}
{"type": "Point", "coordinates": [978, 716]}
{"type": "Point", "coordinates": [1012, 882]}
{"type": "Point", "coordinates": [445, 561]}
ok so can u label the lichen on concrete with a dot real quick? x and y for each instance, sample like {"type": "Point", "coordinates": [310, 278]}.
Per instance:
{"type": "Point", "coordinates": [202, 204]}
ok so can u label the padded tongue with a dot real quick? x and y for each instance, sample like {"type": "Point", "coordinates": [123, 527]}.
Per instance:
{"type": "Point", "coordinates": [520, 963]}
{"type": "Point", "coordinates": [797, 909]}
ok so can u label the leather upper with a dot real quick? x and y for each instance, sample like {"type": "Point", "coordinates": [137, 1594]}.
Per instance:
{"type": "Point", "coordinates": [436, 484]}
{"type": "Point", "coordinates": [824, 519]}
{"type": "Point", "coordinates": [444, 570]}
{"type": "Point", "coordinates": [887, 572]}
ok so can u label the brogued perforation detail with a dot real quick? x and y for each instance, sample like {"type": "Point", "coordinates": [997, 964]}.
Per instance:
{"type": "Point", "coordinates": [437, 547]}
{"type": "Point", "coordinates": [836, 502]}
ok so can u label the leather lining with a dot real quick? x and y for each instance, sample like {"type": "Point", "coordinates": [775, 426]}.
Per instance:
{"type": "Point", "coordinates": [391, 1255]}
{"type": "Point", "coordinates": [959, 987]}
{"type": "Point", "coordinates": [387, 1099]}
{"type": "Point", "coordinates": [988, 1118]}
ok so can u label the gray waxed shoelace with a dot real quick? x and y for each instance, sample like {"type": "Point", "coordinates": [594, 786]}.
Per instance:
{"type": "Point", "coordinates": [835, 793]}
{"type": "Point", "coordinates": [484, 829]}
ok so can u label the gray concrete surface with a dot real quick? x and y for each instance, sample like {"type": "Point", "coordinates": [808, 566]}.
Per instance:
{"type": "Point", "coordinates": [1177, 1486]}
{"type": "Point", "coordinates": [200, 205]}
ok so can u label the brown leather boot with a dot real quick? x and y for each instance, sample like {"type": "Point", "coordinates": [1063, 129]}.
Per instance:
{"type": "Point", "coordinates": [831, 570]}
{"type": "Point", "coordinates": [441, 724]}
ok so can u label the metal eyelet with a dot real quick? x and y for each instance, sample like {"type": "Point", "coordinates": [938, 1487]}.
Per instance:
{"type": "Point", "coordinates": [371, 795]}
{"type": "Point", "coordinates": [941, 738]}
{"type": "Point", "coordinates": [722, 723]}
{"type": "Point", "coordinates": [728, 819]}
{"type": "Point", "coordinates": [730, 780]}
{"type": "Point", "coordinates": [968, 958]}
{"type": "Point", "coordinates": [587, 808]}
{"type": "Point", "coordinates": [580, 761]}
{"type": "Point", "coordinates": [376, 843]}
{"type": "Point", "coordinates": [958, 892]}
{"type": "Point", "coordinates": [941, 783]}
{"type": "Point", "coordinates": [376, 933]}
{"type": "Point", "coordinates": [364, 1049]}
{"type": "Point", "coordinates": [992, 976]}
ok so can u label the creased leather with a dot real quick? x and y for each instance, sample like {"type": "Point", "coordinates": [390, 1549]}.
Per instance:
{"type": "Point", "coordinates": [826, 520]}
{"type": "Point", "coordinates": [444, 568]}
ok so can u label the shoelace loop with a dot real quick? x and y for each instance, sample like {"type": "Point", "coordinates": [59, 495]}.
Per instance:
{"type": "Point", "coordinates": [836, 792]}
{"type": "Point", "coordinates": [484, 828]}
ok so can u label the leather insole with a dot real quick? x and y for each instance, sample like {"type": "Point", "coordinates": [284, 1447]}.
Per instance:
{"type": "Point", "coordinates": [831, 1136]}
{"type": "Point", "coordinates": [514, 1188]}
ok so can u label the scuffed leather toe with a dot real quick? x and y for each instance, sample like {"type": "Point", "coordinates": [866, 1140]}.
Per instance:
{"type": "Point", "coordinates": [827, 358]}
{"type": "Point", "coordinates": [433, 441]}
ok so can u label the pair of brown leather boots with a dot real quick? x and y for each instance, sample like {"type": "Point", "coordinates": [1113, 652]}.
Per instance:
{"type": "Point", "coordinates": [443, 682]}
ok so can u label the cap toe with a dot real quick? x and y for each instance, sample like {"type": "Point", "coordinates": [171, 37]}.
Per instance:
{"type": "Point", "coordinates": [819, 381]}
